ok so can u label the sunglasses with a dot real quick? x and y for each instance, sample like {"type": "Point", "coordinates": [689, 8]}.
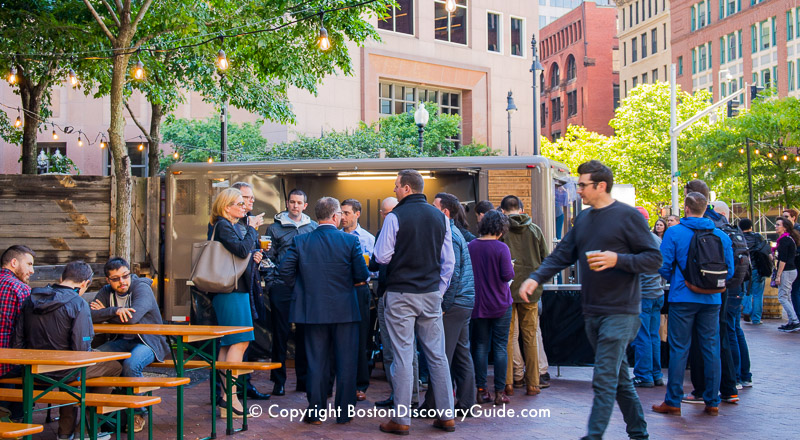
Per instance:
{"type": "Point", "coordinates": [120, 278]}
{"type": "Point", "coordinates": [240, 204]}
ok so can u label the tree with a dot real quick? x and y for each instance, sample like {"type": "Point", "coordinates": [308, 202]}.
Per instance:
{"type": "Point", "coordinates": [198, 140]}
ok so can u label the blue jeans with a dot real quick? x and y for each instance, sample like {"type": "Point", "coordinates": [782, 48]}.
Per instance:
{"type": "Point", "coordinates": [739, 350]}
{"type": "Point", "coordinates": [141, 355]}
{"type": "Point", "coordinates": [796, 296]}
{"type": "Point", "coordinates": [494, 332]}
{"type": "Point", "coordinates": [647, 344]}
{"type": "Point", "coordinates": [754, 301]}
{"type": "Point", "coordinates": [683, 318]}
{"type": "Point", "coordinates": [609, 337]}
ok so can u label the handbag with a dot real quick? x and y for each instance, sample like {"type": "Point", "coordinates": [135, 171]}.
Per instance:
{"type": "Point", "coordinates": [774, 281]}
{"type": "Point", "coordinates": [214, 268]}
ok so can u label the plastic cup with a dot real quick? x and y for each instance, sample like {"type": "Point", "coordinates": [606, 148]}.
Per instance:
{"type": "Point", "coordinates": [265, 242]}
{"type": "Point", "coordinates": [589, 254]}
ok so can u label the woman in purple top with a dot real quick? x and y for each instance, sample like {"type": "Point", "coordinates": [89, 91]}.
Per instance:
{"type": "Point", "coordinates": [491, 316]}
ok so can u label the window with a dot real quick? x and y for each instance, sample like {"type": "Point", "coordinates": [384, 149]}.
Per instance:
{"type": "Point", "coordinates": [541, 82]}
{"type": "Point", "coordinates": [616, 96]}
{"type": "Point", "coordinates": [555, 104]}
{"type": "Point", "coordinates": [624, 53]}
{"type": "Point", "coordinates": [51, 148]}
{"type": "Point", "coordinates": [572, 103]}
{"type": "Point", "coordinates": [634, 82]}
{"type": "Point", "coordinates": [543, 115]}
{"type": "Point", "coordinates": [665, 36]}
{"type": "Point", "coordinates": [542, 21]}
{"type": "Point", "coordinates": [791, 76]}
{"type": "Point", "coordinates": [789, 27]}
{"type": "Point", "coordinates": [571, 69]}
{"type": "Point", "coordinates": [399, 18]}
{"type": "Point", "coordinates": [554, 76]}
{"type": "Point", "coordinates": [766, 78]}
{"type": "Point", "coordinates": [764, 25]}
{"type": "Point", "coordinates": [654, 40]}
{"type": "Point", "coordinates": [644, 78]}
{"type": "Point", "coordinates": [702, 58]}
{"type": "Point", "coordinates": [517, 29]}
{"type": "Point", "coordinates": [634, 54]}
{"type": "Point", "coordinates": [649, 8]}
{"type": "Point", "coordinates": [625, 85]}
{"type": "Point", "coordinates": [644, 45]}
{"type": "Point", "coordinates": [493, 32]}
{"type": "Point", "coordinates": [630, 15]}
{"type": "Point", "coordinates": [721, 50]}
{"type": "Point", "coordinates": [451, 27]}
{"type": "Point", "coordinates": [655, 75]}
{"type": "Point", "coordinates": [623, 19]}
{"type": "Point", "coordinates": [637, 12]}
{"type": "Point", "coordinates": [138, 160]}
{"type": "Point", "coordinates": [401, 98]}
{"type": "Point", "coordinates": [753, 39]}
{"type": "Point", "coordinates": [556, 136]}
{"type": "Point", "coordinates": [731, 47]}
{"type": "Point", "coordinates": [700, 14]}
{"type": "Point", "coordinates": [680, 65]}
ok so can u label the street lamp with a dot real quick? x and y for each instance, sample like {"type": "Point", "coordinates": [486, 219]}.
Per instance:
{"type": "Point", "coordinates": [510, 108]}
{"type": "Point", "coordinates": [421, 119]}
{"type": "Point", "coordinates": [536, 66]}
{"type": "Point", "coordinates": [41, 160]}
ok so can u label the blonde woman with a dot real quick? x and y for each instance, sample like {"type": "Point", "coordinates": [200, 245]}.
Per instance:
{"type": "Point", "coordinates": [234, 308]}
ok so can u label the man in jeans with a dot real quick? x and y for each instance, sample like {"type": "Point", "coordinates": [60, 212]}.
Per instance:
{"type": "Point", "coordinates": [613, 245]}
{"type": "Point", "coordinates": [754, 289]}
{"type": "Point", "coordinates": [647, 345]}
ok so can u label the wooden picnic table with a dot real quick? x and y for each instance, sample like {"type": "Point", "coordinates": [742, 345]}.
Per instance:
{"type": "Point", "coordinates": [183, 334]}
{"type": "Point", "coordinates": [37, 362]}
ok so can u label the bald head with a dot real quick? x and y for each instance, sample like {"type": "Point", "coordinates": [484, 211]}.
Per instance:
{"type": "Point", "coordinates": [387, 205]}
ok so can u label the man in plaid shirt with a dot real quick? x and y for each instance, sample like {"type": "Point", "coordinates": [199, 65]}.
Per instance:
{"type": "Point", "coordinates": [16, 271]}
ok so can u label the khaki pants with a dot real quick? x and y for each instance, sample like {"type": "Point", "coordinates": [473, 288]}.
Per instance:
{"type": "Point", "coordinates": [524, 320]}
{"type": "Point", "coordinates": [68, 414]}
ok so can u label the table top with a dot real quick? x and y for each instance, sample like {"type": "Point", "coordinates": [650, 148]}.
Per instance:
{"type": "Point", "coordinates": [170, 329]}
{"type": "Point", "coordinates": [21, 356]}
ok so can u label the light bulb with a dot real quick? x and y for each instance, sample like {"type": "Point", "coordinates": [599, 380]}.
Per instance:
{"type": "Point", "coordinates": [80, 142]}
{"type": "Point", "coordinates": [694, 174]}
{"type": "Point", "coordinates": [141, 147]}
{"type": "Point", "coordinates": [55, 136]}
{"type": "Point", "coordinates": [756, 151]}
{"type": "Point", "coordinates": [769, 155]}
{"type": "Point", "coordinates": [450, 6]}
{"type": "Point", "coordinates": [102, 145]}
{"type": "Point", "coordinates": [210, 159]}
{"type": "Point", "coordinates": [720, 164]}
{"type": "Point", "coordinates": [222, 60]}
{"type": "Point", "coordinates": [323, 42]}
{"type": "Point", "coordinates": [12, 76]}
{"type": "Point", "coordinates": [741, 150]}
{"type": "Point", "coordinates": [797, 158]}
{"type": "Point", "coordinates": [73, 79]}
{"type": "Point", "coordinates": [18, 122]}
{"type": "Point", "coordinates": [785, 157]}
{"type": "Point", "coordinates": [175, 155]}
{"type": "Point", "coordinates": [138, 71]}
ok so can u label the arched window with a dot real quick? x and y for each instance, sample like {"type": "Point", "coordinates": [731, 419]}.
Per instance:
{"type": "Point", "coordinates": [571, 69]}
{"type": "Point", "coordinates": [554, 76]}
{"type": "Point", "coordinates": [541, 82]}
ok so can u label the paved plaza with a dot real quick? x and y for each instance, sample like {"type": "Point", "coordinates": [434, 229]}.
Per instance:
{"type": "Point", "coordinates": [766, 411]}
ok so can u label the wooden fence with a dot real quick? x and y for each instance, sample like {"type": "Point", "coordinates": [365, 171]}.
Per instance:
{"type": "Point", "coordinates": [65, 218]}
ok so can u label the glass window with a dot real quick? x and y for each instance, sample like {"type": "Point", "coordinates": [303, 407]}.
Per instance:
{"type": "Point", "coordinates": [493, 32]}
{"type": "Point", "coordinates": [542, 21]}
{"type": "Point", "coordinates": [516, 36]}
{"type": "Point", "coordinates": [765, 40]}
{"type": "Point", "coordinates": [555, 104]}
{"type": "Point", "coordinates": [637, 12]}
{"type": "Point", "coordinates": [51, 148]}
{"type": "Point", "coordinates": [634, 53]}
{"type": "Point", "coordinates": [655, 73]}
{"type": "Point", "coordinates": [616, 94]}
{"type": "Point", "coordinates": [543, 115]}
{"type": "Point", "coordinates": [138, 159]}
{"type": "Point", "coordinates": [701, 15]}
{"type": "Point", "coordinates": [624, 53]}
{"type": "Point", "coordinates": [450, 27]}
{"type": "Point", "coordinates": [572, 103]}
{"type": "Point", "coordinates": [753, 39]}
{"type": "Point", "coordinates": [789, 26]}
{"type": "Point", "coordinates": [623, 19]}
{"type": "Point", "coordinates": [731, 47]}
{"type": "Point", "coordinates": [791, 76]}
{"type": "Point", "coordinates": [644, 78]}
{"type": "Point", "coordinates": [654, 41]}
{"type": "Point", "coordinates": [554, 76]}
{"type": "Point", "coordinates": [644, 46]}
{"type": "Point", "coordinates": [702, 58]}
{"type": "Point", "coordinates": [401, 98]}
{"type": "Point", "coordinates": [399, 18]}
{"type": "Point", "coordinates": [635, 81]}
{"type": "Point", "coordinates": [571, 69]}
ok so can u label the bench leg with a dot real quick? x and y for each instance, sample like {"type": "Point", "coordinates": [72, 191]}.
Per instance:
{"type": "Point", "coordinates": [150, 420]}
{"type": "Point", "coordinates": [129, 412]}
{"type": "Point", "coordinates": [241, 383]}
{"type": "Point", "coordinates": [179, 367]}
{"type": "Point", "coordinates": [229, 401]}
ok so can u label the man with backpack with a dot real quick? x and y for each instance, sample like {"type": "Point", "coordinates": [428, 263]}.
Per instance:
{"type": "Point", "coordinates": [761, 268]}
{"type": "Point", "coordinates": [697, 260]}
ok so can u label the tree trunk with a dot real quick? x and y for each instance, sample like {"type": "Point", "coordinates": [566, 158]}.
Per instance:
{"type": "Point", "coordinates": [154, 138]}
{"type": "Point", "coordinates": [31, 97]}
{"type": "Point", "coordinates": [121, 224]}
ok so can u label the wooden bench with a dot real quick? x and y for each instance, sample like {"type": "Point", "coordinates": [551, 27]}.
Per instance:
{"type": "Point", "coordinates": [236, 368]}
{"type": "Point", "coordinates": [14, 430]}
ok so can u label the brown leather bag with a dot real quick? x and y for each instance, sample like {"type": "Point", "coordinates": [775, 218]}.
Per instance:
{"type": "Point", "coordinates": [214, 268]}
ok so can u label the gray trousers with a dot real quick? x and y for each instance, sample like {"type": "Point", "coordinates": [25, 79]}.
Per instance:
{"type": "Point", "coordinates": [407, 313]}
{"type": "Point", "coordinates": [388, 354]}
{"type": "Point", "coordinates": [456, 342]}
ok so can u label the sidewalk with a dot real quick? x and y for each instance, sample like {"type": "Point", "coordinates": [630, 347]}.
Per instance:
{"type": "Point", "coordinates": [768, 410]}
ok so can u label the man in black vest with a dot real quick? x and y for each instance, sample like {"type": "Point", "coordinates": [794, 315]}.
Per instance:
{"type": "Point", "coordinates": [416, 244]}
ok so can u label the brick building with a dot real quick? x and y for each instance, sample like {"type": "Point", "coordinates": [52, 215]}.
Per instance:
{"type": "Point", "coordinates": [580, 81]}
{"type": "Point", "coordinates": [757, 42]}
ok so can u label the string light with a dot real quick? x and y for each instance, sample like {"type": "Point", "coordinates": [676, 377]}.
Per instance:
{"type": "Point", "coordinates": [222, 60]}
{"type": "Point", "coordinates": [756, 151]}
{"type": "Point", "coordinates": [141, 146]}
{"type": "Point", "coordinates": [797, 158]}
{"type": "Point", "coordinates": [55, 136]}
{"type": "Point", "coordinates": [720, 164]}
{"type": "Point", "coordinates": [323, 42]}
{"type": "Point", "coordinates": [769, 155]}
{"type": "Point", "coordinates": [785, 157]}
{"type": "Point", "coordinates": [210, 160]}
{"type": "Point", "coordinates": [450, 6]}
{"type": "Point", "coordinates": [102, 144]}
{"type": "Point", "coordinates": [694, 174]}
{"type": "Point", "coordinates": [12, 76]}
{"type": "Point", "coordinates": [138, 71]}
{"type": "Point", "coordinates": [73, 79]}
{"type": "Point", "coordinates": [741, 150]}
{"type": "Point", "coordinates": [80, 141]}
{"type": "Point", "coordinates": [18, 122]}
{"type": "Point", "coordinates": [175, 155]}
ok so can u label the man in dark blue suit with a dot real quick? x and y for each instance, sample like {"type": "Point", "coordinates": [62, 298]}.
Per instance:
{"type": "Point", "coordinates": [324, 267]}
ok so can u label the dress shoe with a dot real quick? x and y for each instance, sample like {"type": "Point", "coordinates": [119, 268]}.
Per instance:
{"type": "Point", "coordinates": [663, 408]}
{"type": "Point", "coordinates": [501, 398]}
{"type": "Point", "coordinates": [394, 428]}
{"type": "Point", "coordinates": [301, 387]}
{"type": "Point", "coordinates": [519, 383]}
{"type": "Point", "coordinates": [445, 425]}
{"type": "Point", "coordinates": [532, 391]}
{"type": "Point", "coordinates": [278, 390]}
{"type": "Point", "coordinates": [361, 396]}
{"type": "Point", "coordinates": [385, 403]}
{"type": "Point", "coordinates": [483, 396]}
{"type": "Point", "coordinates": [311, 421]}
{"type": "Point", "coordinates": [711, 410]}
{"type": "Point", "coordinates": [254, 394]}
{"type": "Point", "coordinates": [509, 390]}
{"type": "Point", "coordinates": [659, 382]}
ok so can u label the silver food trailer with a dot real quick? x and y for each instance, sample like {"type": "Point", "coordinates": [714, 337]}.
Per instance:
{"type": "Point", "coordinates": [191, 187]}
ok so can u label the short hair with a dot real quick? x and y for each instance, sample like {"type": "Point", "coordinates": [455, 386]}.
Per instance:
{"type": "Point", "coordinates": [413, 179]}
{"type": "Point", "coordinates": [745, 223]}
{"type": "Point", "coordinates": [598, 172]}
{"type": "Point", "coordinates": [15, 251]}
{"type": "Point", "coordinates": [353, 203]}
{"type": "Point", "coordinates": [297, 192]}
{"type": "Point", "coordinates": [114, 264]}
{"type": "Point", "coordinates": [697, 185]}
{"type": "Point", "coordinates": [449, 202]}
{"type": "Point", "coordinates": [695, 202]}
{"type": "Point", "coordinates": [483, 207]}
{"type": "Point", "coordinates": [675, 216]}
{"type": "Point", "coordinates": [511, 203]}
{"type": "Point", "coordinates": [224, 199]}
{"type": "Point", "coordinates": [721, 208]}
{"type": "Point", "coordinates": [493, 223]}
{"type": "Point", "coordinates": [240, 185]}
{"type": "Point", "coordinates": [326, 207]}
{"type": "Point", "coordinates": [792, 212]}
{"type": "Point", "coordinates": [77, 271]}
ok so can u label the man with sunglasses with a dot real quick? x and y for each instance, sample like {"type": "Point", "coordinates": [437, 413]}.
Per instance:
{"type": "Point", "coordinates": [129, 299]}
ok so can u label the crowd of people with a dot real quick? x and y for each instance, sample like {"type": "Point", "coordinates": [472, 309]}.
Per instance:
{"type": "Point", "coordinates": [446, 299]}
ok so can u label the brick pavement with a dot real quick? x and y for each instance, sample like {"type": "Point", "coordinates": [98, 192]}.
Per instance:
{"type": "Point", "coordinates": [767, 410]}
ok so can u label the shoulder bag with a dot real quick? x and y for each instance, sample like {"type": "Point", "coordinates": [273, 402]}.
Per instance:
{"type": "Point", "coordinates": [214, 268]}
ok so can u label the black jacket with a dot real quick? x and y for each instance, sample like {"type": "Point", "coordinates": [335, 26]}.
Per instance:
{"type": "Point", "coordinates": [283, 231]}
{"type": "Point", "coordinates": [144, 302]}
{"type": "Point", "coordinates": [238, 244]}
{"type": "Point", "coordinates": [54, 317]}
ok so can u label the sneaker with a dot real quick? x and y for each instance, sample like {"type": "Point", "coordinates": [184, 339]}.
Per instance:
{"type": "Point", "coordinates": [794, 327]}
{"type": "Point", "coordinates": [757, 323]}
{"type": "Point", "coordinates": [691, 398]}
{"type": "Point", "coordinates": [785, 327]}
{"type": "Point", "coordinates": [731, 399]}
{"type": "Point", "coordinates": [746, 318]}
{"type": "Point", "coordinates": [139, 422]}
{"type": "Point", "coordinates": [641, 383]}
{"type": "Point", "coordinates": [659, 382]}
{"type": "Point", "coordinates": [747, 383]}
{"type": "Point", "coordinates": [739, 386]}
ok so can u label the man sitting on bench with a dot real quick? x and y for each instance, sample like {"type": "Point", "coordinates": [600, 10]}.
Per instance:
{"type": "Point", "coordinates": [128, 299]}
{"type": "Point", "coordinates": [55, 317]}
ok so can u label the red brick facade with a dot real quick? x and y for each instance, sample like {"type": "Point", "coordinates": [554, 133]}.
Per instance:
{"type": "Point", "coordinates": [588, 92]}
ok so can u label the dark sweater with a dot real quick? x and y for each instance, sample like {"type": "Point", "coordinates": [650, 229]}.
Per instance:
{"type": "Point", "coordinates": [618, 228]}
{"type": "Point", "coordinates": [492, 269]}
{"type": "Point", "coordinates": [786, 251]}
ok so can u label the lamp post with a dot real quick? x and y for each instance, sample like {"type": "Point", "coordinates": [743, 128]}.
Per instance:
{"type": "Point", "coordinates": [41, 161]}
{"type": "Point", "coordinates": [536, 66]}
{"type": "Point", "coordinates": [510, 108]}
{"type": "Point", "coordinates": [421, 119]}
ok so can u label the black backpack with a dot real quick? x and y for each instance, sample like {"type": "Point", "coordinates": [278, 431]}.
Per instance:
{"type": "Point", "coordinates": [705, 270]}
{"type": "Point", "coordinates": [759, 257]}
{"type": "Point", "coordinates": [741, 255]}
